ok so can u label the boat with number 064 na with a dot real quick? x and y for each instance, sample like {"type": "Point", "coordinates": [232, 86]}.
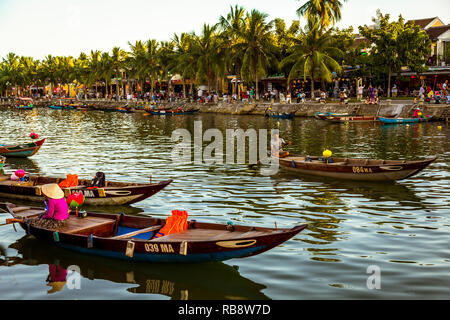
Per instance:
{"type": "Point", "coordinates": [135, 237]}
{"type": "Point", "coordinates": [113, 193]}
{"type": "Point", "coordinates": [354, 169]}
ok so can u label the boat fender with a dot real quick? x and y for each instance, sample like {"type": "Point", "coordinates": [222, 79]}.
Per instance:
{"type": "Point", "coordinates": [90, 241]}
{"type": "Point", "coordinates": [293, 163]}
{"type": "Point", "coordinates": [27, 228]}
{"type": "Point", "coordinates": [230, 226]}
{"type": "Point", "coordinates": [130, 249]}
{"type": "Point", "coordinates": [56, 236]}
{"type": "Point", "coordinates": [183, 248]}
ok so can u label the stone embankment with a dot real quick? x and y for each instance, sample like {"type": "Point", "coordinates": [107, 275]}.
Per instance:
{"type": "Point", "coordinates": [307, 109]}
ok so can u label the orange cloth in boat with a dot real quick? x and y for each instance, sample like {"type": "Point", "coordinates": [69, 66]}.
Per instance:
{"type": "Point", "coordinates": [71, 181]}
{"type": "Point", "coordinates": [177, 222]}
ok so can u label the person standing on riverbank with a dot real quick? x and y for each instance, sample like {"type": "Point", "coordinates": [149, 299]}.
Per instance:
{"type": "Point", "coordinates": [360, 92]}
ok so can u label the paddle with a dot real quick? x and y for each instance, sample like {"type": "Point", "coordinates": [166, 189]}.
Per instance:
{"type": "Point", "coordinates": [10, 221]}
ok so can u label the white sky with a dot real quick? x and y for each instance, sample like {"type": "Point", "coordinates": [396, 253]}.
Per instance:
{"type": "Point", "coordinates": [68, 27]}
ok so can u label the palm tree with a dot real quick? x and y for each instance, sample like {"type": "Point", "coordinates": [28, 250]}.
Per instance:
{"type": "Point", "coordinates": [206, 52]}
{"type": "Point", "coordinates": [11, 71]}
{"type": "Point", "coordinates": [94, 65]}
{"type": "Point", "coordinates": [328, 11]}
{"type": "Point", "coordinates": [256, 46]}
{"type": "Point", "coordinates": [312, 54]}
{"type": "Point", "coordinates": [182, 61]}
{"type": "Point", "coordinates": [118, 57]}
{"type": "Point", "coordinates": [136, 61]}
{"type": "Point", "coordinates": [106, 70]}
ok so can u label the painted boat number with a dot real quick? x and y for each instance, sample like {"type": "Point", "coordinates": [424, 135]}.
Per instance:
{"type": "Point", "coordinates": [362, 170]}
{"type": "Point", "coordinates": [161, 247]}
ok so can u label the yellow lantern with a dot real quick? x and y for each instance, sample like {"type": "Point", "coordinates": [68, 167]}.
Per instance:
{"type": "Point", "coordinates": [327, 153]}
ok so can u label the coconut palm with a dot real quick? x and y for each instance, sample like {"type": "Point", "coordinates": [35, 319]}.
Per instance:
{"type": "Point", "coordinates": [94, 66]}
{"type": "Point", "coordinates": [328, 11]}
{"type": "Point", "coordinates": [256, 47]}
{"type": "Point", "coordinates": [136, 61]}
{"type": "Point", "coordinates": [10, 71]}
{"type": "Point", "coordinates": [182, 61]}
{"type": "Point", "coordinates": [311, 56]}
{"type": "Point", "coordinates": [118, 57]}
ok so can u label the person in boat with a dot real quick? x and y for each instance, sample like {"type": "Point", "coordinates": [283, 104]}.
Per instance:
{"type": "Point", "coordinates": [98, 181]}
{"type": "Point", "coordinates": [276, 146]}
{"type": "Point", "coordinates": [323, 97]}
{"type": "Point", "coordinates": [56, 209]}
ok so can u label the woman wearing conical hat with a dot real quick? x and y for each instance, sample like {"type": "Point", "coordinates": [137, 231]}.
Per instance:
{"type": "Point", "coordinates": [57, 210]}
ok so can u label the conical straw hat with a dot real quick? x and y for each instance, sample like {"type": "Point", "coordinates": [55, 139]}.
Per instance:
{"type": "Point", "coordinates": [53, 191]}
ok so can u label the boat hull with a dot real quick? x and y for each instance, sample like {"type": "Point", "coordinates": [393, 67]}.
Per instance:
{"type": "Point", "coordinates": [109, 196]}
{"type": "Point", "coordinates": [218, 242]}
{"type": "Point", "coordinates": [355, 169]}
{"type": "Point", "coordinates": [404, 120]}
{"type": "Point", "coordinates": [21, 151]}
{"type": "Point", "coordinates": [348, 118]}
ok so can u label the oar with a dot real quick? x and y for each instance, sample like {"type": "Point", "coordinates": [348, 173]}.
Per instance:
{"type": "Point", "coordinates": [11, 220]}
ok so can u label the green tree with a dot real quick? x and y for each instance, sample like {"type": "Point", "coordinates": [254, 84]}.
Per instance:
{"type": "Point", "coordinates": [328, 11]}
{"type": "Point", "coordinates": [396, 44]}
{"type": "Point", "coordinates": [312, 55]}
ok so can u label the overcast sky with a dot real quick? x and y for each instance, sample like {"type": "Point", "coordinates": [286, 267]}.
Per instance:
{"type": "Point", "coordinates": [68, 27]}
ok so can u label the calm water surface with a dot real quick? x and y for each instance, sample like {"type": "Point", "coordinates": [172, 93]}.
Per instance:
{"type": "Point", "coordinates": [403, 228]}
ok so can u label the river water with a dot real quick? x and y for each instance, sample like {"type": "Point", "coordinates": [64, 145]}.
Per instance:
{"type": "Point", "coordinates": [394, 237]}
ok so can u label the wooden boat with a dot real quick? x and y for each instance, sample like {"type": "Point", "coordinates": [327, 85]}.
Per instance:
{"type": "Point", "coordinates": [324, 115]}
{"type": "Point", "coordinates": [404, 120]}
{"type": "Point", "coordinates": [172, 112]}
{"type": "Point", "coordinates": [347, 118]}
{"type": "Point", "coordinates": [114, 193]}
{"type": "Point", "coordinates": [354, 169]}
{"type": "Point", "coordinates": [21, 150]}
{"type": "Point", "coordinates": [131, 237]}
{"type": "Point", "coordinates": [24, 104]}
{"type": "Point", "coordinates": [280, 115]}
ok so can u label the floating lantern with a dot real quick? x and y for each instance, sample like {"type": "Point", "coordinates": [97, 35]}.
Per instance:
{"type": "Point", "coordinates": [34, 135]}
{"type": "Point", "coordinates": [439, 127]}
{"type": "Point", "coordinates": [327, 153]}
{"type": "Point", "coordinates": [14, 177]}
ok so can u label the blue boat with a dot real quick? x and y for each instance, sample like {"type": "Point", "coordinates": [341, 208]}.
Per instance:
{"type": "Point", "coordinates": [24, 104]}
{"type": "Point", "coordinates": [281, 115]}
{"type": "Point", "coordinates": [404, 120]}
{"type": "Point", "coordinates": [56, 107]}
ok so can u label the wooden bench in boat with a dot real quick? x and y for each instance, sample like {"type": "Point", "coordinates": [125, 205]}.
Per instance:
{"type": "Point", "coordinates": [89, 225]}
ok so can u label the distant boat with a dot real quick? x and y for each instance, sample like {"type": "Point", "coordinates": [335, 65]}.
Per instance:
{"type": "Point", "coordinates": [24, 104]}
{"type": "Point", "coordinates": [281, 115]}
{"type": "Point", "coordinates": [21, 150]}
{"type": "Point", "coordinates": [172, 112]}
{"type": "Point", "coordinates": [354, 169]}
{"type": "Point", "coordinates": [404, 120]}
{"type": "Point", "coordinates": [348, 118]}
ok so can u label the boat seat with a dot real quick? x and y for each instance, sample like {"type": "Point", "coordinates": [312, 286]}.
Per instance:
{"type": "Point", "coordinates": [337, 163]}
{"type": "Point", "coordinates": [134, 233]}
{"type": "Point", "coordinates": [89, 225]}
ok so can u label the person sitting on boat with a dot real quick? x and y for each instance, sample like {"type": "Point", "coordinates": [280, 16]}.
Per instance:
{"type": "Point", "coordinates": [56, 209]}
{"type": "Point", "coordinates": [276, 146]}
{"type": "Point", "coordinates": [437, 97]}
{"type": "Point", "coordinates": [98, 181]}
{"type": "Point", "coordinates": [323, 97]}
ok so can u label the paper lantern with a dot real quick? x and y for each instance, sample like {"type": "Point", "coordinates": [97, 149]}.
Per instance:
{"type": "Point", "coordinates": [34, 135]}
{"type": "Point", "coordinates": [327, 153]}
{"type": "Point", "coordinates": [19, 173]}
{"type": "Point", "coordinates": [75, 200]}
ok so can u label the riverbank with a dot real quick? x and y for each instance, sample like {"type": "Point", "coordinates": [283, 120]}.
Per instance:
{"type": "Point", "coordinates": [401, 108]}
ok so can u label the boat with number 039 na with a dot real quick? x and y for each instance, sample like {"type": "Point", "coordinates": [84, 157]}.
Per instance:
{"type": "Point", "coordinates": [113, 193]}
{"type": "Point", "coordinates": [354, 169]}
{"type": "Point", "coordinates": [21, 150]}
{"type": "Point", "coordinates": [135, 238]}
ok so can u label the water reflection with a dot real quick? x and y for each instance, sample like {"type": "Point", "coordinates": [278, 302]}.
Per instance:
{"type": "Point", "coordinates": [212, 280]}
